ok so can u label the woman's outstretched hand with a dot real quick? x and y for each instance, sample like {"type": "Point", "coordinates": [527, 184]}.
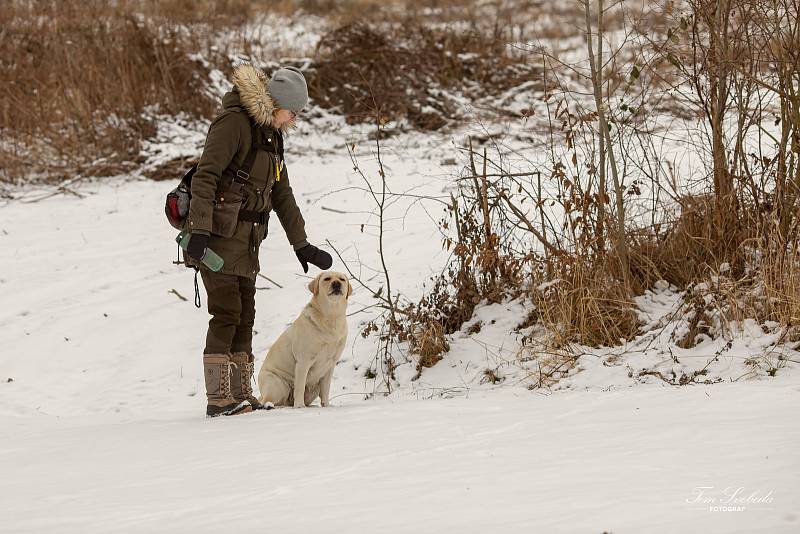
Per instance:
{"type": "Point", "coordinates": [311, 254]}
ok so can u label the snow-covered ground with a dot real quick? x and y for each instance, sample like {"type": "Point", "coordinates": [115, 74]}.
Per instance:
{"type": "Point", "coordinates": [652, 459]}
{"type": "Point", "coordinates": [102, 400]}
{"type": "Point", "coordinates": [102, 394]}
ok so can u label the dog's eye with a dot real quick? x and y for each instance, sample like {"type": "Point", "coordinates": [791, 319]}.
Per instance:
{"type": "Point", "coordinates": [328, 279]}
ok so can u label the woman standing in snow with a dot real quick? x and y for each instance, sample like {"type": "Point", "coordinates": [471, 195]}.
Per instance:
{"type": "Point", "coordinates": [240, 178]}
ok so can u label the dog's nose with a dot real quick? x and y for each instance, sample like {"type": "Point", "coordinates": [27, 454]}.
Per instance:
{"type": "Point", "coordinates": [336, 285]}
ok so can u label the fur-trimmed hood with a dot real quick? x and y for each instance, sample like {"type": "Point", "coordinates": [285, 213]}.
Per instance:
{"type": "Point", "coordinates": [250, 92]}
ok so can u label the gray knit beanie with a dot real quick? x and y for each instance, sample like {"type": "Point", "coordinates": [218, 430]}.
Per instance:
{"type": "Point", "coordinates": [288, 88]}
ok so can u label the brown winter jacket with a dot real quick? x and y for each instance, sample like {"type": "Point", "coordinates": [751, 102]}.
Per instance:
{"type": "Point", "coordinates": [213, 205]}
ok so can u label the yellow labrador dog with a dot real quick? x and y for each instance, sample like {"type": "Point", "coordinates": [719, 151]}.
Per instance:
{"type": "Point", "coordinates": [299, 366]}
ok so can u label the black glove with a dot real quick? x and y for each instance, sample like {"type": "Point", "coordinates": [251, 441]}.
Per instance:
{"type": "Point", "coordinates": [196, 248]}
{"type": "Point", "coordinates": [311, 254]}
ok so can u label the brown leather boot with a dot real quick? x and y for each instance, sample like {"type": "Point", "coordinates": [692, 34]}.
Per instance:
{"type": "Point", "coordinates": [242, 379]}
{"type": "Point", "coordinates": [218, 387]}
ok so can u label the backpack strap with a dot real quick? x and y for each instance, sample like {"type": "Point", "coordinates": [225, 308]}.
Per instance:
{"type": "Point", "coordinates": [234, 177]}
{"type": "Point", "coordinates": [242, 174]}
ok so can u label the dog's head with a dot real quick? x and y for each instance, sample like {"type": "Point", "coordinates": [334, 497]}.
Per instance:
{"type": "Point", "coordinates": [331, 287]}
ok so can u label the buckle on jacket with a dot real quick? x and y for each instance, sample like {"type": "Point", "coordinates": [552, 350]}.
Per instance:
{"type": "Point", "coordinates": [243, 175]}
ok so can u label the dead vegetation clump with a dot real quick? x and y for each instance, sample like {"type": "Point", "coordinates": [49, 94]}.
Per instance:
{"type": "Point", "coordinates": [411, 71]}
{"type": "Point", "coordinates": [545, 367]}
{"type": "Point", "coordinates": [491, 376]}
{"type": "Point", "coordinates": [768, 293]}
{"type": "Point", "coordinates": [428, 343]}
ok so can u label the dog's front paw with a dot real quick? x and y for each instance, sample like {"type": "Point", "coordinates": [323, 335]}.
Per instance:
{"type": "Point", "coordinates": [296, 405]}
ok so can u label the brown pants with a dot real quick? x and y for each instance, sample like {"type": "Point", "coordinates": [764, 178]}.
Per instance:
{"type": "Point", "coordinates": [232, 305]}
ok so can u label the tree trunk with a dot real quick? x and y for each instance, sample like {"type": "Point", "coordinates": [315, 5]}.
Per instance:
{"type": "Point", "coordinates": [606, 146]}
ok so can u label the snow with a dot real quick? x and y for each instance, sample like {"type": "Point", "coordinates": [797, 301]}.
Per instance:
{"type": "Point", "coordinates": [623, 461]}
{"type": "Point", "coordinates": [102, 395]}
{"type": "Point", "coordinates": [176, 137]}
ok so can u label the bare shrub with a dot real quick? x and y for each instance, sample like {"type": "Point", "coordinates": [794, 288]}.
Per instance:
{"type": "Point", "coordinates": [480, 271]}
{"type": "Point", "coordinates": [483, 267]}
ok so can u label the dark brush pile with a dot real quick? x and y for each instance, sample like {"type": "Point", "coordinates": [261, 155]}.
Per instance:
{"type": "Point", "coordinates": [411, 72]}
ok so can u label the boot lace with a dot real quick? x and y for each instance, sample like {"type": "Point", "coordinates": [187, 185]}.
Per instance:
{"type": "Point", "coordinates": [247, 378]}
{"type": "Point", "coordinates": [225, 380]}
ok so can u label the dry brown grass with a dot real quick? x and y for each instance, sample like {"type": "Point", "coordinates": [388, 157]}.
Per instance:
{"type": "Point", "coordinates": [217, 13]}
{"type": "Point", "coordinates": [586, 302]}
{"type": "Point", "coordinates": [685, 250]}
{"type": "Point", "coordinates": [769, 293]}
{"type": "Point", "coordinates": [781, 276]}
{"type": "Point", "coordinates": [428, 343]}
{"type": "Point", "coordinates": [76, 79]}
{"type": "Point", "coordinates": [81, 80]}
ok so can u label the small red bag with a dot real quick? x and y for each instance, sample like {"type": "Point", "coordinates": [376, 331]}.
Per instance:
{"type": "Point", "coordinates": [176, 206]}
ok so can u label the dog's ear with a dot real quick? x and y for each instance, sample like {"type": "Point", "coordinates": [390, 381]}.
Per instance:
{"type": "Point", "coordinates": [349, 288]}
{"type": "Point", "coordinates": [313, 285]}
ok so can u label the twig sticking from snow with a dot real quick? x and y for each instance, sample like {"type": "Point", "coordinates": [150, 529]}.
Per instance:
{"type": "Point", "coordinates": [62, 188]}
{"type": "Point", "coordinates": [326, 208]}
{"type": "Point", "coordinates": [270, 280]}
{"type": "Point", "coordinates": [175, 292]}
